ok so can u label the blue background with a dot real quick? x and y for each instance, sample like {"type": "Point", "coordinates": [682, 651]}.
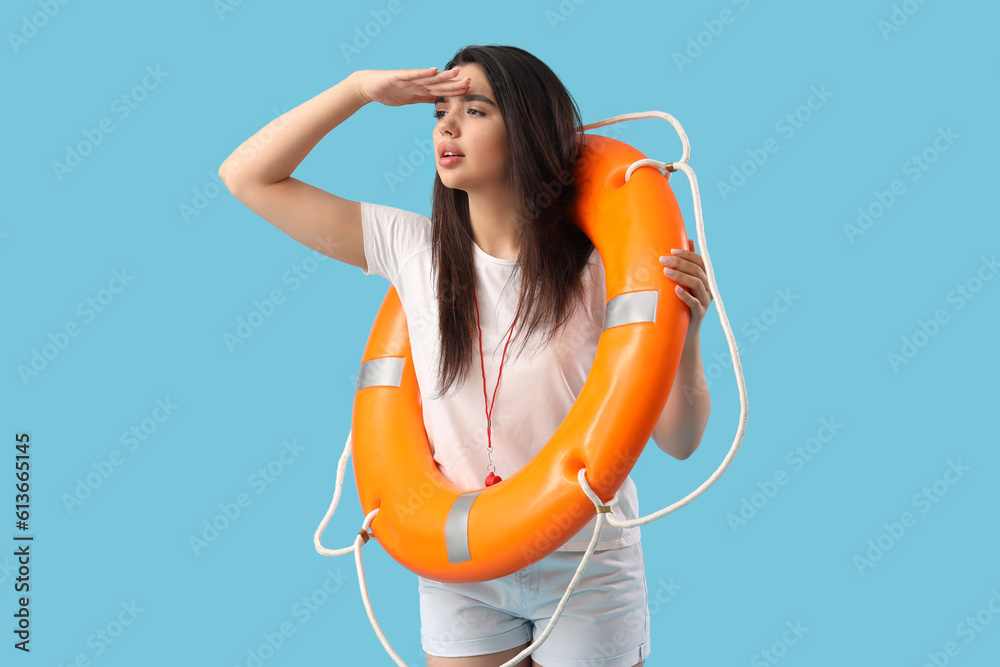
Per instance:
{"type": "Point", "coordinates": [227, 70]}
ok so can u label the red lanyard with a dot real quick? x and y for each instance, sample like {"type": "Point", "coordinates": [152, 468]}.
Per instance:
{"type": "Point", "coordinates": [491, 478]}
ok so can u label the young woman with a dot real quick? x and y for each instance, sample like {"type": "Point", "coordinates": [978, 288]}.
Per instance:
{"type": "Point", "coordinates": [499, 258]}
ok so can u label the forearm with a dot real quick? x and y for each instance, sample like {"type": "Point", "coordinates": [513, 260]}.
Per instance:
{"type": "Point", "coordinates": [682, 423]}
{"type": "Point", "coordinates": [273, 153]}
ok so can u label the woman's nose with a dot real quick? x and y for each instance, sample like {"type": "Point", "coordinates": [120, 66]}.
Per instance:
{"type": "Point", "coordinates": [447, 126]}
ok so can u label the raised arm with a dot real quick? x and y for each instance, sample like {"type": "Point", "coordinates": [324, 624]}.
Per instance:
{"type": "Point", "coordinates": [258, 173]}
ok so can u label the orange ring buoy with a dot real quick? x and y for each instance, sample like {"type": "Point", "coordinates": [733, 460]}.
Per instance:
{"type": "Point", "coordinates": [446, 533]}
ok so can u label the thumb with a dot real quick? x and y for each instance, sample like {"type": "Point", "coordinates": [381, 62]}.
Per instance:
{"type": "Point", "coordinates": [690, 245]}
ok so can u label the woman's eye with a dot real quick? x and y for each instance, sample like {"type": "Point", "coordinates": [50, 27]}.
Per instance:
{"type": "Point", "coordinates": [437, 114]}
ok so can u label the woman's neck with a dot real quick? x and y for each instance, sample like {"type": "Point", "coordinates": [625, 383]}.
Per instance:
{"type": "Point", "coordinates": [494, 226]}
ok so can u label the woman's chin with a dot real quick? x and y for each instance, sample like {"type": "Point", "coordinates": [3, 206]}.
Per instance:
{"type": "Point", "coordinates": [451, 183]}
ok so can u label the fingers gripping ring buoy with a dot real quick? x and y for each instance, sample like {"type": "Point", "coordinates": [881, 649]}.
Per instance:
{"type": "Point", "coordinates": [447, 533]}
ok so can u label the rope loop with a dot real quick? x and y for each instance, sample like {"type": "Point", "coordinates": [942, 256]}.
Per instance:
{"type": "Point", "coordinates": [668, 167]}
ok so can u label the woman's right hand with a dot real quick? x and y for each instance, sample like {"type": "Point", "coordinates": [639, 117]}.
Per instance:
{"type": "Point", "coordinates": [396, 87]}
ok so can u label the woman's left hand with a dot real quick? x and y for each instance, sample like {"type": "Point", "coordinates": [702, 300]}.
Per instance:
{"type": "Point", "coordinates": [687, 268]}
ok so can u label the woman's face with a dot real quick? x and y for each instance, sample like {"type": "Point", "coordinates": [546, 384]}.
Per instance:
{"type": "Point", "coordinates": [472, 124]}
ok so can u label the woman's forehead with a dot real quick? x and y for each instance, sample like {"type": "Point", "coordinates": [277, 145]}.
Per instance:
{"type": "Point", "coordinates": [478, 82]}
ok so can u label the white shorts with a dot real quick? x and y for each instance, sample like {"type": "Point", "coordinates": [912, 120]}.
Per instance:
{"type": "Point", "coordinates": [605, 622]}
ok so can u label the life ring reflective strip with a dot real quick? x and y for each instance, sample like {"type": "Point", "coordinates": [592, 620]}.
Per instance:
{"type": "Point", "coordinates": [442, 532]}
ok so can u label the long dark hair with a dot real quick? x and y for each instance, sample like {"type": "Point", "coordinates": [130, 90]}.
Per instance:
{"type": "Point", "coordinates": [543, 145]}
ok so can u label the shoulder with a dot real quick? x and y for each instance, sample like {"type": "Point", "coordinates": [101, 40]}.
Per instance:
{"type": "Point", "coordinates": [392, 236]}
{"type": "Point", "coordinates": [383, 211]}
{"type": "Point", "coordinates": [399, 227]}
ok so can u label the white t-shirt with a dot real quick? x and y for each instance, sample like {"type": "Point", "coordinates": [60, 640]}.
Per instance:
{"type": "Point", "coordinates": [537, 389]}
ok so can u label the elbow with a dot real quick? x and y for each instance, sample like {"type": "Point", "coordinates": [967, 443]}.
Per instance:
{"type": "Point", "coordinates": [226, 175]}
{"type": "Point", "coordinates": [228, 171]}
{"type": "Point", "coordinates": [682, 454]}
{"type": "Point", "coordinates": [672, 448]}
{"type": "Point", "coordinates": [680, 427]}
{"type": "Point", "coordinates": [682, 445]}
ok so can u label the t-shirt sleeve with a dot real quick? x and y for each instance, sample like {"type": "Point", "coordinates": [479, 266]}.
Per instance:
{"type": "Point", "coordinates": [391, 237]}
